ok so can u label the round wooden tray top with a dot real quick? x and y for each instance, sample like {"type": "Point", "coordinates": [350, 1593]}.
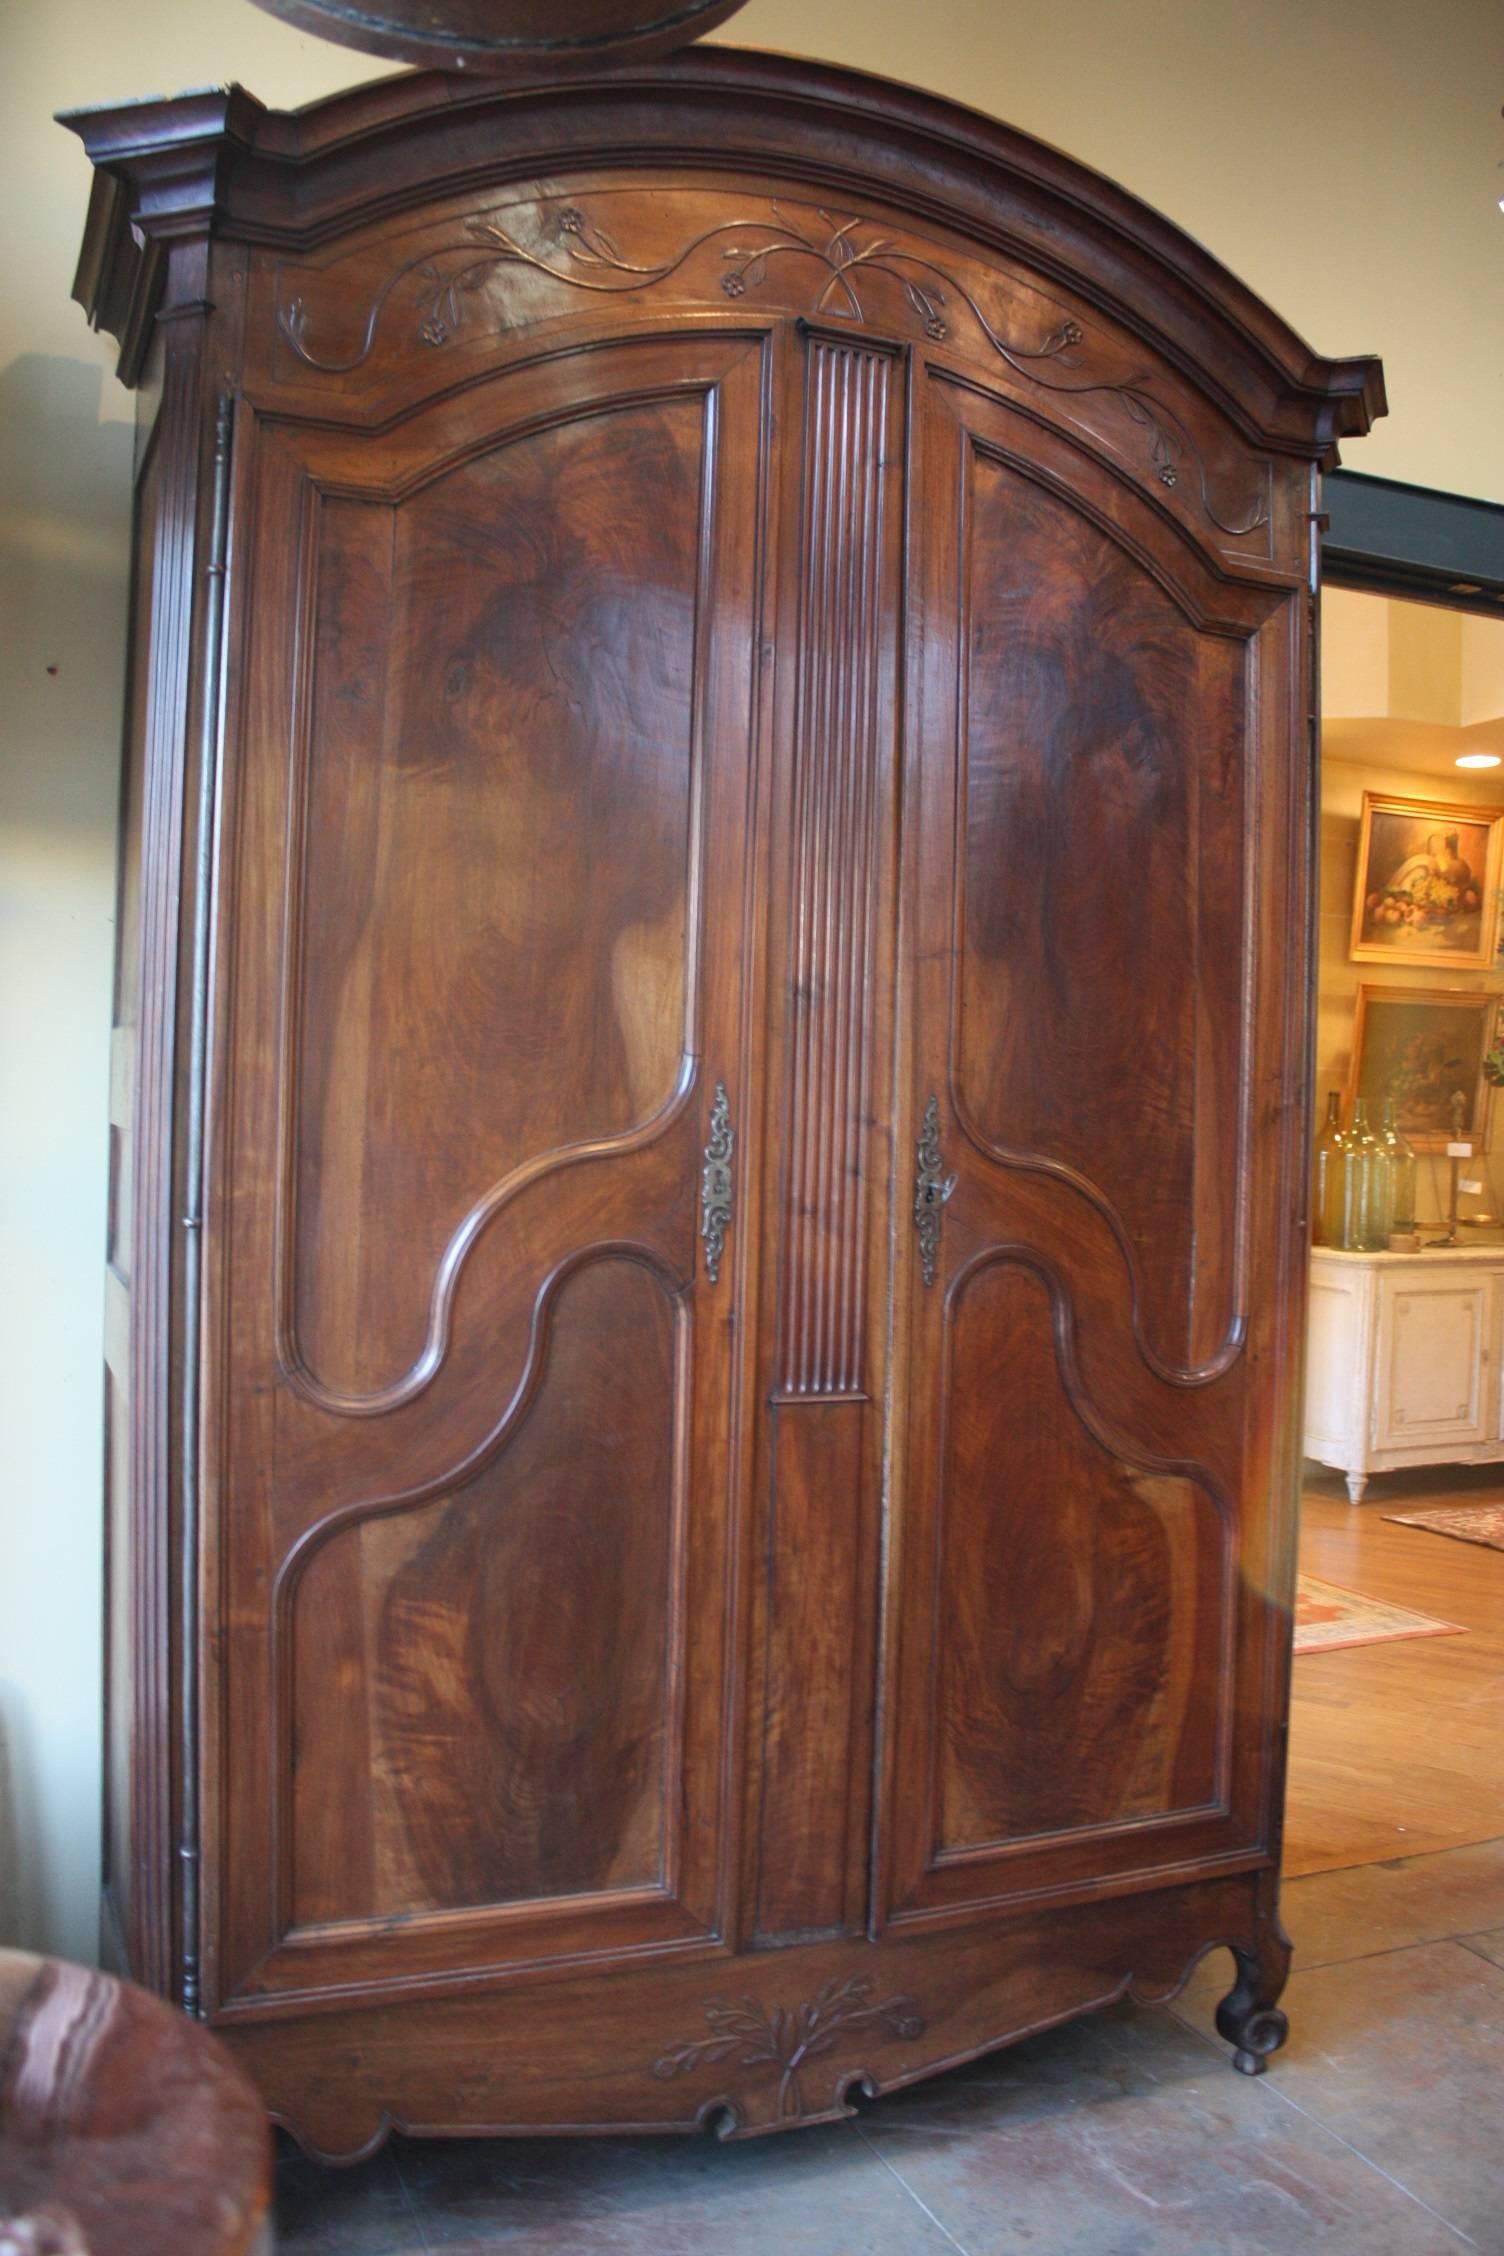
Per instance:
{"type": "Point", "coordinates": [522, 36]}
{"type": "Point", "coordinates": [124, 2127]}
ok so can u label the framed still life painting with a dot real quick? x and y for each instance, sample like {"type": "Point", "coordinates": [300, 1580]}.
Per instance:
{"type": "Point", "coordinates": [1428, 883]}
{"type": "Point", "coordinates": [1424, 1047]}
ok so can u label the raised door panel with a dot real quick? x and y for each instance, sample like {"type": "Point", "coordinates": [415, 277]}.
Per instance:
{"type": "Point", "coordinates": [1088, 1588]}
{"type": "Point", "coordinates": [1433, 1348]}
{"type": "Point", "coordinates": [495, 855]}
{"type": "Point", "coordinates": [511, 1646]}
{"type": "Point", "coordinates": [489, 836]}
{"type": "Point", "coordinates": [1083, 1607]}
{"type": "Point", "coordinates": [1100, 918]}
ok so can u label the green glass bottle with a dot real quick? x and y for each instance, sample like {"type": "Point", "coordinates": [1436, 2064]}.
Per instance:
{"type": "Point", "coordinates": [1401, 1171]}
{"type": "Point", "coordinates": [1325, 1212]}
{"type": "Point", "coordinates": [1365, 1187]}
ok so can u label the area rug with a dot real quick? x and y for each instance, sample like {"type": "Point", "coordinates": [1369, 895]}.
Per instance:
{"type": "Point", "coordinates": [1470, 1523]}
{"type": "Point", "coordinates": [1328, 1618]}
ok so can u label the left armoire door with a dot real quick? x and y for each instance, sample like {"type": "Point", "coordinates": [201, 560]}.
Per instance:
{"type": "Point", "coordinates": [485, 832]}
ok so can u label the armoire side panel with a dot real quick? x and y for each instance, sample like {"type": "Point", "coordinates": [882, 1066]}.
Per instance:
{"type": "Point", "coordinates": [149, 1865]}
{"type": "Point", "coordinates": [126, 1542]}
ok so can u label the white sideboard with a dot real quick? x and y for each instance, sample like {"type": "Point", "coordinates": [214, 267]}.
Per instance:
{"type": "Point", "coordinates": [1403, 1360]}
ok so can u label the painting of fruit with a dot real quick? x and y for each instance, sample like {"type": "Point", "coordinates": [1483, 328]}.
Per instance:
{"type": "Point", "coordinates": [1428, 883]}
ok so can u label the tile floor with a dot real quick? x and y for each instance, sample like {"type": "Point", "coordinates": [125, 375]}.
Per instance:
{"type": "Point", "coordinates": [1379, 2131]}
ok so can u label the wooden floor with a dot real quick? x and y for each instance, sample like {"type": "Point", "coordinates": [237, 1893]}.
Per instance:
{"type": "Point", "coordinates": [1398, 1749]}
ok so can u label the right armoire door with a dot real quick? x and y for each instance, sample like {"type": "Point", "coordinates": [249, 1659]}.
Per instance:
{"type": "Point", "coordinates": [1095, 1008]}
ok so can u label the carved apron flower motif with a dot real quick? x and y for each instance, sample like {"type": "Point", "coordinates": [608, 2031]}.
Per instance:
{"type": "Point", "coordinates": [787, 2038]}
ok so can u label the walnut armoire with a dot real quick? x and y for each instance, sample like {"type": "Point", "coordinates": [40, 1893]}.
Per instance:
{"type": "Point", "coordinates": [709, 1130]}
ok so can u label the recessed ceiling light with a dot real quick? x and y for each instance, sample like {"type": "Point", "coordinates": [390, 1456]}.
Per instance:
{"type": "Point", "coordinates": [1478, 760]}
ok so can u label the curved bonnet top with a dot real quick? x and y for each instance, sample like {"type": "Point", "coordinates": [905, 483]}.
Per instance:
{"type": "Point", "coordinates": [220, 162]}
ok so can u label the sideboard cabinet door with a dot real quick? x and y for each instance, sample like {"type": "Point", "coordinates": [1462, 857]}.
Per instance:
{"type": "Point", "coordinates": [1435, 1336]}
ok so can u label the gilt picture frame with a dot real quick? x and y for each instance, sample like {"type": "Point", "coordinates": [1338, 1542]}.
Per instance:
{"type": "Point", "coordinates": [1421, 1046]}
{"type": "Point", "coordinates": [1427, 889]}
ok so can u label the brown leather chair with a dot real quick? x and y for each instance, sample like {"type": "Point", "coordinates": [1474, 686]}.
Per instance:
{"type": "Point", "coordinates": [123, 2125]}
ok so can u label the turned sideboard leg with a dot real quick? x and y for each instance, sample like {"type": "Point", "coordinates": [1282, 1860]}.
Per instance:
{"type": "Point", "coordinates": [1356, 1483]}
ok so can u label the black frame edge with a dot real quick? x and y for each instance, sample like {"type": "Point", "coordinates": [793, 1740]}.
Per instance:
{"type": "Point", "coordinates": [1386, 538]}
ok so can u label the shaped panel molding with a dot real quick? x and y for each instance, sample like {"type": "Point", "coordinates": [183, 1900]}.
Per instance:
{"type": "Point", "coordinates": [489, 952]}
{"type": "Point", "coordinates": [490, 1664]}
{"type": "Point", "coordinates": [1105, 816]}
{"type": "Point", "coordinates": [1082, 1593]}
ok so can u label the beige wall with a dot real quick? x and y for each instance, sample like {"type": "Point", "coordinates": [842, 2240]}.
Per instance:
{"type": "Point", "coordinates": [1342, 157]}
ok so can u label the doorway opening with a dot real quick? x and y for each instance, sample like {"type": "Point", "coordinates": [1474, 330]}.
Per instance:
{"type": "Point", "coordinates": [1397, 1727]}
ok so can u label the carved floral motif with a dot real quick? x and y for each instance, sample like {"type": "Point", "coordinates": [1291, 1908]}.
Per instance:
{"type": "Point", "coordinates": [845, 256]}
{"type": "Point", "coordinates": [575, 250]}
{"type": "Point", "coordinates": [786, 2039]}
